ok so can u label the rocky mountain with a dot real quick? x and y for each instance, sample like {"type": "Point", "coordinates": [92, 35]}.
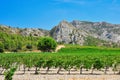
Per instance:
{"type": "Point", "coordinates": [102, 30]}
{"type": "Point", "coordinates": [66, 33]}
{"type": "Point", "coordinates": [80, 31]}
{"type": "Point", "coordinates": [75, 32]}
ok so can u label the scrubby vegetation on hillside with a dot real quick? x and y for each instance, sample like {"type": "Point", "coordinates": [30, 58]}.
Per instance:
{"type": "Point", "coordinates": [91, 41]}
{"type": "Point", "coordinates": [14, 42]}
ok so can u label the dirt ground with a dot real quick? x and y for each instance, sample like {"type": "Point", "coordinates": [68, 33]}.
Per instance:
{"type": "Point", "coordinates": [63, 77]}
{"type": "Point", "coordinates": [59, 47]}
{"type": "Point", "coordinates": [51, 75]}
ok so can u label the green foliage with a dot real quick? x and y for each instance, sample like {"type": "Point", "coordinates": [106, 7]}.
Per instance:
{"type": "Point", "coordinates": [8, 74]}
{"type": "Point", "coordinates": [67, 58]}
{"type": "Point", "coordinates": [91, 41]}
{"type": "Point", "coordinates": [15, 42]}
{"type": "Point", "coordinates": [1, 47]}
{"type": "Point", "coordinates": [76, 49]}
{"type": "Point", "coordinates": [29, 46]}
{"type": "Point", "coordinates": [97, 64]}
{"type": "Point", "coordinates": [47, 44]}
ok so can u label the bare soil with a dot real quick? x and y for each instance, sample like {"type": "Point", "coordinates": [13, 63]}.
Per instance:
{"type": "Point", "coordinates": [51, 75]}
{"type": "Point", "coordinates": [59, 47]}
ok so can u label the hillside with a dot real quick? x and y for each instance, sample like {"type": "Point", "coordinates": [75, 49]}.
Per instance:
{"type": "Point", "coordinates": [75, 32]}
{"type": "Point", "coordinates": [24, 31]}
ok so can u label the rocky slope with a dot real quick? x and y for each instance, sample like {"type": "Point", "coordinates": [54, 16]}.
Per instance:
{"type": "Point", "coordinates": [24, 32]}
{"type": "Point", "coordinates": [78, 31]}
{"type": "Point", "coordinates": [67, 33]}
{"type": "Point", "coordinates": [102, 30]}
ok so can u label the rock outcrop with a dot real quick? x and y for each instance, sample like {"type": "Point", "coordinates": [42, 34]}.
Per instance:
{"type": "Point", "coordinates": [101, 30]}
{"type": "Point", "coordinates": [36, 32]}
{"type": "Point", "coordinates": [67, 33]}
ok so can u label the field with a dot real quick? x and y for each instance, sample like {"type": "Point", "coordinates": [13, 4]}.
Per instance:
{"type": "Point", "coordinates": [69, 63]}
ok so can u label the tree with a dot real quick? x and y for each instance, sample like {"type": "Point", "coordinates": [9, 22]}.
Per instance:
{"type": "Point", "coordinates": [1, 47]}
{"type": "Point", "coordinates": [47, 44]}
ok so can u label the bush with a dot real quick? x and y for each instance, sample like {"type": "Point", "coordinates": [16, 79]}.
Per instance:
{"type": "Point", "coordinates": [28, 46]}
{"type": "Point", "coordinates": [1, 47]}
{"type": "Point", "coordinates": [47, 44]}
{"type": "Point", "coordinates": [1, 50]}
{"type": "Point", "coordinates": [14, 50]}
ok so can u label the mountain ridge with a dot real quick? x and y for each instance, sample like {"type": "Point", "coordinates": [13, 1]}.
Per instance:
{"type": "Point", "coordinates": [75, 32]}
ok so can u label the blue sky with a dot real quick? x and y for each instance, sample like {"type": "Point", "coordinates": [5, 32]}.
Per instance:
{"type": "Point", "coordinates": [48, 13]}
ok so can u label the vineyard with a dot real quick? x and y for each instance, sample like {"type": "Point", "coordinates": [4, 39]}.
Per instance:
{"type": "Point", "coordinates": [68, 59]}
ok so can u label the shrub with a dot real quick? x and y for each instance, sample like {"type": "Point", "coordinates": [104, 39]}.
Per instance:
{"type": "Point", "coordinates": [1, 50]}
{"type": "Point", "coordinates": [1, 47]}
{"type": "Point", "coordinates": [29, 46]}
{"type": "Point", "coordinates": [47, 44]}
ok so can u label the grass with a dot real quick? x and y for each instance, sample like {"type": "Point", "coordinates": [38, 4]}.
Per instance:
{"type": "Point", "coordinates": [76, 49]}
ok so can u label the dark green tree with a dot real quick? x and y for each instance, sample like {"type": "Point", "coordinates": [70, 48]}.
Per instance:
{"type": "Point", "coordinates": [47, 44]}
{"type": "Point", "coordinates": [1, 47]}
